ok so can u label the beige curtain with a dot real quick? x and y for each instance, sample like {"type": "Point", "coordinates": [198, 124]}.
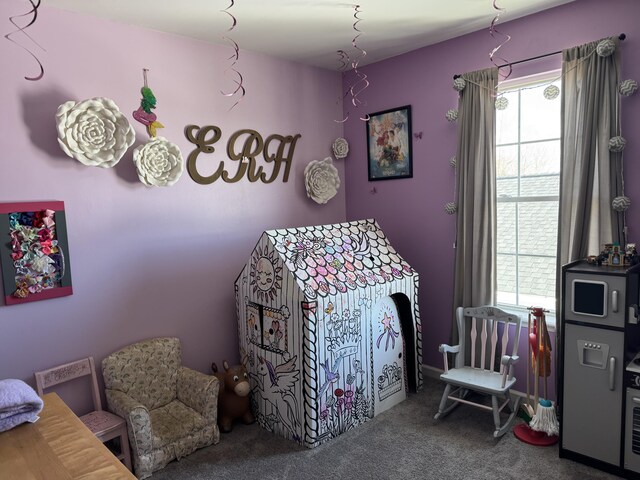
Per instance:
{"type": "Point", "coordinates": [590, 175]}
{"type": "Point", "coordinates": [475, 258]}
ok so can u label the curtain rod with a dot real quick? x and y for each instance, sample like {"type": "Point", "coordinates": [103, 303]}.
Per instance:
{"type": "Point", "coordinates": [622, 36]}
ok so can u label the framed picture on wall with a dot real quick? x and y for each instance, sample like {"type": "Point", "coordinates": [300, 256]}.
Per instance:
{"type": "Point", "coordinates": [34, 251]}
{"type": "Point", "coordinates": [389, 144]}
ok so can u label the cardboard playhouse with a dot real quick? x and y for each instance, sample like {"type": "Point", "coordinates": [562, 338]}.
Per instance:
{"type": "Point", "coordinates": [329, 328]}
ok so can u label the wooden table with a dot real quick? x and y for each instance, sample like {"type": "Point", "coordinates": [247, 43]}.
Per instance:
{"type": "Point", "coordinates": [57, 446]}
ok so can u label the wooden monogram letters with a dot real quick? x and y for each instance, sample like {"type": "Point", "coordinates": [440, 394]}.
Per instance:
{"type": "Point", "coordinates": [205, 137]}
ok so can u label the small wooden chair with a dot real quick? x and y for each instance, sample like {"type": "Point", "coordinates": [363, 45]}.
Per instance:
{"type": "Point", "coordinates": [104, 425]}
{"type": "Point", "coordinates": [484, 332]}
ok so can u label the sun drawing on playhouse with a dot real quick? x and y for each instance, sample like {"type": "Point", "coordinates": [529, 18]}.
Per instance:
{"type": "Point", "coordinates": [266, 277]}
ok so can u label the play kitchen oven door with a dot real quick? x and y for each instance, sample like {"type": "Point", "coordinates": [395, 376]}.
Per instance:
{"type": "Point", "coordinates": [592, 410]}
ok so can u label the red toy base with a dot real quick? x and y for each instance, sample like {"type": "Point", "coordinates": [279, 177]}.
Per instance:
{"type": "Point", "coordinates": [524, 433]}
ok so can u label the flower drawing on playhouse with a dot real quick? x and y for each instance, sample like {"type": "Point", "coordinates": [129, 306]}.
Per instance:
{"type": "Point", "coordinates": [302, 248]}
{"type": "Point", "coordinates": [346, 406]}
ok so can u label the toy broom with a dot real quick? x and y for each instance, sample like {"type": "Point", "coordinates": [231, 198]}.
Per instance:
{"type": "Point", "coordinates": [543, 428]}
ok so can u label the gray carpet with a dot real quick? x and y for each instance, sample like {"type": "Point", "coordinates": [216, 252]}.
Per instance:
{"type": "Point", "coordinates": [401, 443]}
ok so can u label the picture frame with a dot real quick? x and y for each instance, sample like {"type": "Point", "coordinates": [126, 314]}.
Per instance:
{"type": "Point", "coordinates": [389, 144]}
{"type": "Point", "coordinates": [34, 251]}
{"type": "Point", "coordinates": [616, 257]}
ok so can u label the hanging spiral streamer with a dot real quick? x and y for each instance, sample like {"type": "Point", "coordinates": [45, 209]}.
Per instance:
{"type": "Point", "coordinates": [34, 11]}
{"type": "Point", "coordinates": [238, 80]}
{"type": "Point", "coordinates": [361, 83]}
{"type": "Point", "coordinates": [343, 58]}
{"type": "Point", "coordinates": [493, 30]}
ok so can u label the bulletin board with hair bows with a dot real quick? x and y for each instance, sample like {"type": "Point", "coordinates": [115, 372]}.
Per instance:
{"type": "Point", "coordinates": [34, 251]}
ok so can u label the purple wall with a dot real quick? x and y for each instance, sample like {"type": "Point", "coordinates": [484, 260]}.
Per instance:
{"type": "Point", "coordinates": [411, 210]}
{"type": "Point", "coordinates": [149, 261]}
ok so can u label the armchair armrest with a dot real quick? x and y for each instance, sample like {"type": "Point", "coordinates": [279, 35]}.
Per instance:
{"type": "Point", "coordinates": [508, 360]}
{"type": "Point", "coordinates": [137, 418]}
{"type": "Point", "coordinates": [444, 348]}
{"type": "Point", "coordinates": [199, 391]}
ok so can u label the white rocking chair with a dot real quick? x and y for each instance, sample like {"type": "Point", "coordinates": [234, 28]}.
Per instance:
{"type": "Point", "coordinates": [483, 331]}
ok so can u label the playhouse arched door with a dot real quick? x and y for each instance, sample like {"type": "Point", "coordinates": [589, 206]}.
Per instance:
{"type": "Point", "coordinates": [388, 356]}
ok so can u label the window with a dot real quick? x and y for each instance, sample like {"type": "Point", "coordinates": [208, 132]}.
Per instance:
{"type": "Point", "coordinates": [528, 178]}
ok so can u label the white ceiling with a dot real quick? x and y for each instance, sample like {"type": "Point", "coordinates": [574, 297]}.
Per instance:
{"type": "Point", "coordinates": [311, 32]}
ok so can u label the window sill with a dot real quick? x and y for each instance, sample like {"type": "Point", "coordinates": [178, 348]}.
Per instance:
{"type": "Point", "coordinates": [523, 313]}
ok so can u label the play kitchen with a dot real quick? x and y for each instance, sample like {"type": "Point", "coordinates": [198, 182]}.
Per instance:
{"type": "Point", "coordinates": [599, 378]}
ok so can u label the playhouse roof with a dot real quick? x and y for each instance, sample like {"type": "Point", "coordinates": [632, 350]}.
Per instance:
{"type": "Point", "coordinates": [331, 259]}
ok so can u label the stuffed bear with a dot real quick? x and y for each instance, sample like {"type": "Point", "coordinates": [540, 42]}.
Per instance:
{"type": "Point", "coordinates": [233, 397]}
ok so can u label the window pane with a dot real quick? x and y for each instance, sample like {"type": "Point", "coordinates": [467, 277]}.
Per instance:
{"type": "Point", "coordinates": [506, 271]}
{"type": "Point", "coordinates": [506, 227]}
{"type": "Point", "coordinates": [527, 165]}
{"type": "Point", "coordinates": [541, 157]}
{"type": "Point", "coordinates": [507, 120]}
{"type": "Point", "coordinates": [540, 186]}
{"type": "Point", "coordinates": [540, 117]}
{"type": "Point", "coordinates": [537, 228]}
{"type": "Point", "coordinates": [507, 161]}
{"type": "Point", "coordinates": [537, 281]}
{"type": "Point", "coordinates": [507, 187]}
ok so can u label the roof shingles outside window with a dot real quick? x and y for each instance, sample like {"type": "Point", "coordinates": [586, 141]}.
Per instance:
{"type": "Point", "coordinates": [537, 236]}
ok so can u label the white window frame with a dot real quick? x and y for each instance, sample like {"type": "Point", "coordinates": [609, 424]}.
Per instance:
{"type": "Point", "coordinates": [505, 86]}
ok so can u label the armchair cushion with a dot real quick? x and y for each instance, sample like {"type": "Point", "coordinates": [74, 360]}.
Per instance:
{"type": "Point", "coordinates": [174, 421]}
{"type": "Point", "coordinates": [170, 410]}
{"type": "Point", "coordinates": [147, 371]}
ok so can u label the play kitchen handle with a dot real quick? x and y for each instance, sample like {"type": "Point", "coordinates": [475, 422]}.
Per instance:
{"type": "Point", "coordinates": [612, 373]}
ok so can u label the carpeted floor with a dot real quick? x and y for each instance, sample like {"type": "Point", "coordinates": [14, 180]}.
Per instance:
{"type": "Point", "coordinates": [401, 443]}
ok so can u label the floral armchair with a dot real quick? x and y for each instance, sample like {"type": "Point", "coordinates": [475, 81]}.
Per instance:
{"type": "Point", "coordinates": [170, 410]}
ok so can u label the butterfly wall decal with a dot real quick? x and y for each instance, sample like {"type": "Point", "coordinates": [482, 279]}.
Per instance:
{"type": "Point", "coordinates": [418, 135]}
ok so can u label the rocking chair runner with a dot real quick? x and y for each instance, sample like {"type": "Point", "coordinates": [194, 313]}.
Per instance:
{"type": "Point", "coordinates": [484, 332]}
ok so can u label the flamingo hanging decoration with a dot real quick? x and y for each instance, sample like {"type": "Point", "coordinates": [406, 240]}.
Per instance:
{"type": "Point", "coordinates": [143, 114]}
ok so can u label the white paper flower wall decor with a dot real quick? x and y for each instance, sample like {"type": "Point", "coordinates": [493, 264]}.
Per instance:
{"type": "Point", "coordinates": [340, 148]}
{"type": "Point", "coordinates": [158, 162]}
{"type": "Point", "coordinates": [321, 180]}
{"type": "Point", "coordinates": [94, 131]}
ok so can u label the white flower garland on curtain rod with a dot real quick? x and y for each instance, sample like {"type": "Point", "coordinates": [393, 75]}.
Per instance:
{"type": "Point", "coordinates": [617, 144]}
